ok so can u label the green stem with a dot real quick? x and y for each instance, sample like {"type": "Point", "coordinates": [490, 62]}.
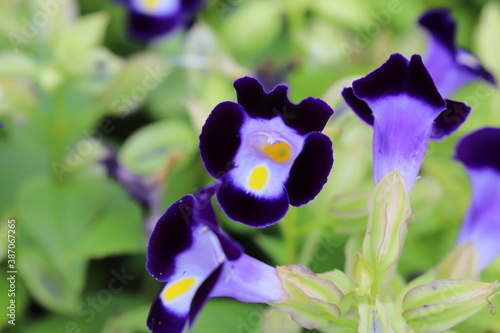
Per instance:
{"type": "Point", "coordinates": [290, 232]}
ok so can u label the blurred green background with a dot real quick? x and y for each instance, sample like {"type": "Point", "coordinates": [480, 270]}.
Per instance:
{"type": "Point", "coordinates": [72, 85]}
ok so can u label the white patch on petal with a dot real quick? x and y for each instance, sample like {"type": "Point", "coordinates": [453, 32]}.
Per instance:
{"type": "Point", "coordinates": [197, 262]}
{"type": "Point", "coordinates": [468, 59]}
{"type": "Point", "coordinates": [156, 7]}
{"type": "Point", "coordinates": [255, 134]}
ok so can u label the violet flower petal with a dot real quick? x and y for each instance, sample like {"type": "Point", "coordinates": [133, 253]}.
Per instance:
{"type": "Point", "coordinates": [450, 66]}
{"type": "Point", "coordinates": [480, 153]}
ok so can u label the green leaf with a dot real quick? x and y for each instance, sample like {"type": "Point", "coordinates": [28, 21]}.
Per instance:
{"type": "Point", "coordinates": [118, 230]}
{"type": "Point", "coordinates": [138, 78]}
{"type": "Point", "coordinates": [244, 35]}
{"type": "Point", "coordinates": [58, 219]}
{"type": "Point", "coordinates": [486, 36]}
{"type": "Point", "coordinates": [154, 146]}
{"type": "Point", "coordinates": [73, 49]}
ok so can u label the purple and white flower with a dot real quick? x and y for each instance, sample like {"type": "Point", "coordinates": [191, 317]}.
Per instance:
{"type": "Point", "coordinates": [267, 152]}
{"type": "Point", "coordinates": [401, 102]}
{"type": "Point", "coordinates": [197, 260]}
{"type": "Point", "coordinates": [152, 19]}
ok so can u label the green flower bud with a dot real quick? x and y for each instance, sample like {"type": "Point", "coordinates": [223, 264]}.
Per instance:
{"type": "Point", "coordinates": [313, 299]}
{"type": "Point", "coordinates": [381, 318]}
{"type": "Point", "coordinates": [345, 284]}
{"type": "Point", "coordinates": [389, 209]}
{"type": "Point", "coordinates": [363, 275]}
{"type": "Point", "coordinates": [439, 305]}
{"type": "Point", "coordinates": [461, 263]}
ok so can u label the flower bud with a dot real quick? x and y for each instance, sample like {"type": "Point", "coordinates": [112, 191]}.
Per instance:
{"type": "Point", "coordinates": [313, 300]}
{"type": "Point", "coordinates": [362, 272]}
{"type": "Point", "coordinates": [442, 304]}
{"type": "Point", "coordinates": [389, 209]}
{"type": "Point", "coordinates": [461, 263]}
{"type": "Point", "coordinates": [381, 317]}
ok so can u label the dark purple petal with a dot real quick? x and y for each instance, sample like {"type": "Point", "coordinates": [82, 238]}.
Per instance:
{"type": "Point", "coordinates": [192, 6]}
{"type": "Point", "coordinates": [450, 119]}
{"type": "Point", "coordinates": [145, 28]}
{"type": "Point", "coordinates": [480, 149]}
{"type": "Point", "coordinates": [358, 106]}
{"type": "Point", "coordinates": [441, 26]}
{"type": "Point", "coordinates": [249, 209]}
{"type": "Point", "coordinates": [161, 320]}
{"type": "Point", "coordinates": [201, 296]}
{"type": "Point", "coordinates": [220, 138]}
{"type": "Point", "coordinates": [171, 236]}
{"type": "Point", "coordinates": [310, 115]}
{"type": "Point", "coordinates": [399, 76]}
{"type": "Point", "coordinates": [310, 170]}
{"type": "Point", "coordinates": [256, 102]}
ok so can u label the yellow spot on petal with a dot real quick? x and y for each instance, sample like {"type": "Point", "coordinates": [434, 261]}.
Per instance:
{"type": "Point", "coordinates": [178, 289]}
{"type": "Point", "coordinates": [150, 4]}
{"type": "Point", "coordinates": [258, 178]}
{"type": "Point", "coordinates": [279, 152]}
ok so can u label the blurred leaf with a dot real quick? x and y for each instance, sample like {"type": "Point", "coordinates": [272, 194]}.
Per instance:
{"type": "Point", "coordinates": [237, 317]}
{"type": "Point", "coordinates": [272, 246]}
{"type": "Point", "coordinates": [133, 321]}
{"type": "Point", "coordinates": [73, 49]}
{"type": "Point", "coordinates": [350, 13]}
{"type": "Point", "coordinates": [118, 229]}
{"type": "Point", "coordinates": [139, 76]}
{"type": "Point", "coordinates": [17, 64]}
{"type": "Point", "coordinates": [62, 216]}
{"type": "Point", "coordinates": [150, 149]}
{"type": "Point", "coordinates": [17, 97]}
{"type": "Point", "coordinates": [244, 35]}
{"type": "Point", "coordinates": [486, 37]}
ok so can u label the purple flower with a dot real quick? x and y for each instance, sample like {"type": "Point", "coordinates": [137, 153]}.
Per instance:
{"type": "Point", "coordinates": [266, 151]}
{"type": "Point", "coordinates": [151, 19]}
{"type": "Point", "coordinates": [451, 67]}
{"type": "Point", "coordinates": [402, 104]}
{"type": "Point", "coordinates": [197, 260]}
{"type": "Point", "coordinates": [480, 154]}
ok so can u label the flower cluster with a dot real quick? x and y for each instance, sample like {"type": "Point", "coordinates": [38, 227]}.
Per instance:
{"type": "Point", "coordinates": [266, 153]}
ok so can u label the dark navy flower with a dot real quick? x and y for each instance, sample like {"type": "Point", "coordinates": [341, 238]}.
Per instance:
{"type": "Point", "coordinates": [402, 104]}
{"type": "Point", "coordinates": [480, 154]}
{"type": "Point", "coordinates": [451, 67]}
{"type": "Point", "coordinates": [267, 152]}
{"type": "Point", "coordinates": [197, 260]}
{"type": "Point", "coordinates": [151, 19]}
